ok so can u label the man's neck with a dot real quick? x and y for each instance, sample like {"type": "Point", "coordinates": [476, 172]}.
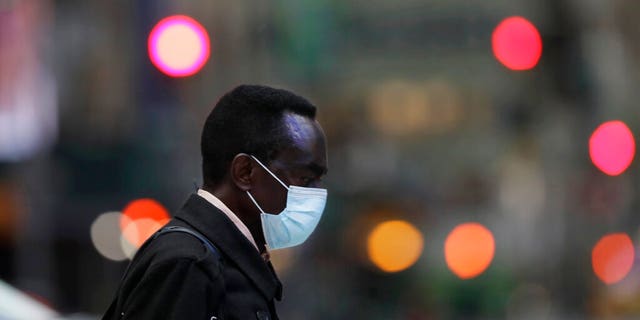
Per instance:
{"type": "Point", "coordinates": [231, 199]}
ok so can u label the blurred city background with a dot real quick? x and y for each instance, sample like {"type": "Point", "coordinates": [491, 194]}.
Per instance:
{"type": "Point", "coordinates": [481, 152]}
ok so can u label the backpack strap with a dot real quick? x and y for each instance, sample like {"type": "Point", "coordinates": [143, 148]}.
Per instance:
{"type": "Point", "coordinates": [200, 237]}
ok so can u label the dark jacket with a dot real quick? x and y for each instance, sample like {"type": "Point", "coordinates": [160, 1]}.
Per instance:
{"type": "Point", "coordinates": [175, 276]}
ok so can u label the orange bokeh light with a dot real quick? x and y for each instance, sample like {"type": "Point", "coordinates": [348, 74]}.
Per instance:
{"type": "Point", "coordinates": [140, 219]}
{"type": "Point", "coordinates": [394, 245]}
{"type": "Point", "coordinates": [469, 250]}
{"type": "Point", "coordinates": [612, 257]}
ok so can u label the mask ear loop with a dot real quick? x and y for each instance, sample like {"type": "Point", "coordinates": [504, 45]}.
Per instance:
{"type": "Point", "coordinates": [271, 173]}
{"type": "Point", "coordinates": [255, 202]}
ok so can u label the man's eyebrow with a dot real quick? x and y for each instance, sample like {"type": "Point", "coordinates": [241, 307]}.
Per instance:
{"type": "Point", "coordinates": [318, 169]}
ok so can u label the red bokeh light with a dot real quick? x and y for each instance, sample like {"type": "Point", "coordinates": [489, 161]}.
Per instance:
{"type": "Point", "coordinates": [140, 219]}
{"type": "Point", "coordinates": [612, 147]}
{"type": "Point", "coordinates": [612, 257]}
{"type": "Point", "coordinates": [517, 43]}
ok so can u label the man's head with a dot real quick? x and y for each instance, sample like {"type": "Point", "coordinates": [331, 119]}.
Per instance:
{"type": "Point", "coordinates": [278, 128]}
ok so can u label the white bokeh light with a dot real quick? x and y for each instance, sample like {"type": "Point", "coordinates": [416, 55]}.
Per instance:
{"type": "Point", "coordinates": [106, 234]}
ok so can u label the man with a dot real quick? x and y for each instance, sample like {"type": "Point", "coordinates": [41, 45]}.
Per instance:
{"type": "Point", "coordinates": [263, 157]}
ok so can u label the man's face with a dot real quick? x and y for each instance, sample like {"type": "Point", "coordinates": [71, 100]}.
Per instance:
{"type": "Point", "coordinates": [303, 163]}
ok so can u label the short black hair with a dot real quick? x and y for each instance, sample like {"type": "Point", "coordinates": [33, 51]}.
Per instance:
{"type": "Point", "coordinates": [248, 119]}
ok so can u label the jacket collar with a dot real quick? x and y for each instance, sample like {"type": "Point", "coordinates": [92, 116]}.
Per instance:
{"type": "Point", "coordinates": [216, 226]}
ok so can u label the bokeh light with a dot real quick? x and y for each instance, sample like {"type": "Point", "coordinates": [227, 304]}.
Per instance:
{"type": "Point", "coordinates": [138, 231]}
{"type": "Point", "coordinates": [394, 245]}
{"type": "Point", "coordinates": [127, 246]}
{"type": "Point", "coordinates": [179, 46]}
{"type": "Point", "coordinates": [141, 218]}
{"type": "Point", "coordinates": [469, 250]}
{"type": "Point", "coordinates": [105, 236]}
{"type": "Point", "coordinates": [612, 147]}
{"type": "Point", "coordinates": [612, 257]}
{"type": "Point", "coordinates": [402, 108]}
{"type": "Point", "coordinates": [517, 43]}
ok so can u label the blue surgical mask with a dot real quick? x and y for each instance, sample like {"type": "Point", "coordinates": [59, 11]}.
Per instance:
{"type": "Point", "coordinates": [298, 219]}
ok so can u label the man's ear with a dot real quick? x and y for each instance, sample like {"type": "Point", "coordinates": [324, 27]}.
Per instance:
{"type": "Point", "coordinates": [241, 171]}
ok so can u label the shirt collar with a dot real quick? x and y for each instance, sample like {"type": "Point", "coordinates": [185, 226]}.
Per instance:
{"type": "Point", "coordinates": [236, 221]}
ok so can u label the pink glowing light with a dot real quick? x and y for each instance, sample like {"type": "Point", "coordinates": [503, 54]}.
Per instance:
{"type": "Point", "coordinates": [517, 43]}
{"type": "Point", "coordinates": [612, 147]}
{"type": "Point", "coordinates": [178, 46]}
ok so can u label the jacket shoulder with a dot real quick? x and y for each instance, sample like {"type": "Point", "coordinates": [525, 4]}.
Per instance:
{"type": "Point", "coordinates": [178, 247]}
